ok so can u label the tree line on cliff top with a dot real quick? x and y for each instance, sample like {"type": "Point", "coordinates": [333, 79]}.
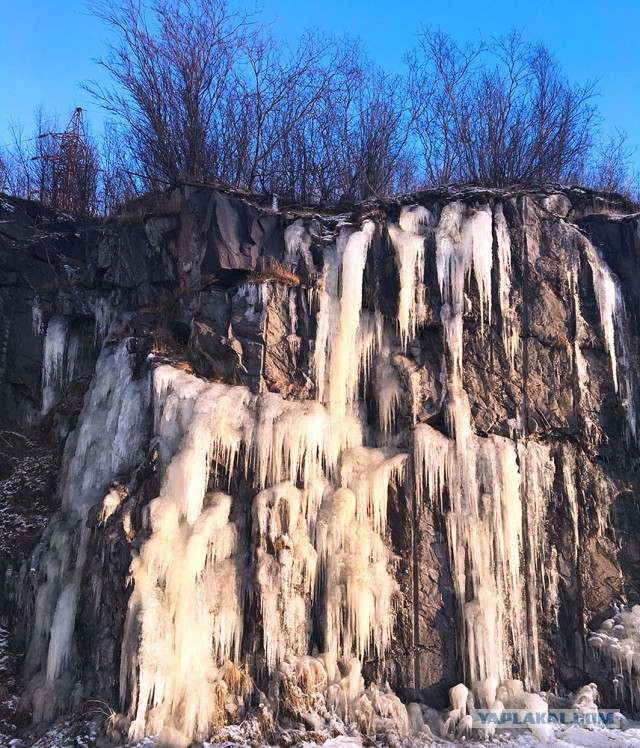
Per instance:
{"type": "Point", "coordinates": [201, 91]}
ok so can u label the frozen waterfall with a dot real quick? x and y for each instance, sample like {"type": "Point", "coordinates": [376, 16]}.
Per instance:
{"type": "Point", "coordinates": [265, 564]}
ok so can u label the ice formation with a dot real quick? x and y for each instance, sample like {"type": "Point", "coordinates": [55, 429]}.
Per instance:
{"type": "Point", "coordinates": [617, 642]}
{"type": "Point", "coordinates": [103, 320]}
{"type": "Point", "coordinates": [188, 600]}
{"type": "Point", "coordinates": [286, 571]}
{"type": "Point", "coordinates": [354, 569]}
{"type": "Point", "coordinates": [319, 688]}
{"type": "Point", "coordinates": [280, 507]}
{"type": "Point", "coordinates": [54, 360]}
{"type": "Point", "coordinates": [205, 430]}
{"type": "Point", "coordinates": [609, 305]}
{"type": "Point", "coordinates": [409, 241]}
{"type": "Point", "coordinates": [298, 244]}
{"type": "Point", "coordinates": [318, 522]}
{"type": "Point", "coordinates": [495, 487]}
{"type": "Point", "coordinates": [579, 362]}
{"type": "Point", "coordinates": [464, 244]}
{"type": "Point", "coordinates": [612, 323]}
{"type": "Point", "coordinates": [37, 317]}
{"type": "Point", "coordinates": [389, 394]}
{"type": "Point", "coordinates": [347, 336]}
{"type": "Point", "coordinates": [62, 353]}
{"type": "Point", "coordinates": [109, 438]}
{"type": "Point", "coordinates": [509, 320]}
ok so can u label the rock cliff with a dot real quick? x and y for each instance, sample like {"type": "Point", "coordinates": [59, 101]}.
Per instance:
{"type": "Point", "coordinates": [445, 380]}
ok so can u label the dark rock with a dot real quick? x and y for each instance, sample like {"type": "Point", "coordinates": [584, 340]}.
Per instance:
{"type": "Point", "coordinates": [217, 356]}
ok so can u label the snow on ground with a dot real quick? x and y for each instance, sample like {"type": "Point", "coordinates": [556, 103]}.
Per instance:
{"type": "Point", "coordinates": [65, 734]}
{"type": "Point", "coordinates": [571, 736]}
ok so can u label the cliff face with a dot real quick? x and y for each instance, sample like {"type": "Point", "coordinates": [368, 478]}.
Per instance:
{"type": "Point", "coordinates": [404, 435]}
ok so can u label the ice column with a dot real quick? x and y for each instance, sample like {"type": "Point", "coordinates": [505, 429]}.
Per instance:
{"type": "Point", "coordinates": [185, 615]}
{"type": "Point", "coordinates": [484, 483]}
{"type": "Point", "coordinates": [409, 242]}
{"type": "Point", "coordinates": [510, 326]}
{"type": "Point", "coordinates": [612, 323]}
{"type": "Point", "coordinates": [108, 440]}
{"type": "Point", "coordinates": [54, 356]}
{"type": "Point", "coordinates": [346, 337]}
{"type": "Point", "coordinates": [286, 571]}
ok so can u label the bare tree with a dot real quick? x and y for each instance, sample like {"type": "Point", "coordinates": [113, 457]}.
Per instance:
{"type": "Point", "coordinates": [282, 90]}
{"type": "Point", "coordinates": [201, 92]}
{"type": "Point", "coordinates": [4, 172]}
{"type": "Point", "coordinates": [206, 95]}
{"type": "Point", "coordinates": [496, 113]}
{"type": "Point", "coordinates": [611, 167]}
{"type": "Point", "coordinates": [171, 68]}
{"type": "Point", "coordinates": [18, 169]}
{"type": "Point", "coordinates": [357, 137]}
{"type": "Point", "coordinates": [117, 178]}
{"type": "Point", "coordinates": [440, 73]}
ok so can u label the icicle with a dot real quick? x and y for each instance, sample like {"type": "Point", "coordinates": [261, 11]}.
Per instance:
{"type": "Point", "coordinates": [297, 241]}
{"type": "Point", "coordinates": [509, 320]}
{"type": "Point", "coordinates": [370, 335]}
{"type": "Point", "coordinates": [64, 618]}
{"type": "Point", "coordinates": [199, 424]}
{"type": "Point", "coordinates": [453, 260]}
{"type": "Point", "coordinates": [431, 458]}
{"type": "Point", "coordinates": [359, 588]}
{"type": "Point", "coordinates": [61, 355]}
{"type": "Point", "coordinates": [579, 361]}
{"type": "Point", "coordinates": [257, 297]}
{"type": "Point", "coordinates": [409, 247]}
{"type": "Point", "coordinates": [618, 643]}
{"type": "Point", "coordinates": [342, 351]}
{"type": "Point", "coordinates": [609, 302]}
{"type": "Point", "coordinates": [286, 572]}
{"type": "Point", "coordinates": [108, 440]}
{"type": "Point", "coordinates": [485, 537]}
{"type": "Point", "coordinates": [292, 304]}
{"type": "Point", "coordinates": [103, 320]}
{"type": "Point", "coordinates": [368, 473]}
{"type": "Point", "coordinates": [187, 601]}
{"type": "Point", "coordinates": [37, 317]}
{"type": "Point", "coordinates": [496, 550]}
{"type": "Point", "coordinates": [345, 356]}
{"type": "Point", "coordinates": [110, 504]}
{"type": "Point", "coordinates": [295, 440]}
{"type": "Point", "coordinates": [568, 479]}
{"type": "Point", "coordinates": [488, 482]}
{"type": "Point", "coordinates": [477, 231]}
{"type": "Point", "coordinates": [327, 319]}
{"type": "Point", "coordinates": [389, 391]}
{"type": "Point", "coordinates": [463, 241]}
{"type": "Point", "coordinates": [53, 361]}
{"type": "Point", "coordinates": [538, 471]}
{"type": "Point", "coordinates": [612, 319]}
{"type": "Point", "coordinates": [414, 219]}
{"type": "Point", "coordinates": [215, 424]}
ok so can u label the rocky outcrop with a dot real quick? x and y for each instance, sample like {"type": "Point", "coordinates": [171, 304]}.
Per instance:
{"type": "Point", "coordinates": [231, 291]}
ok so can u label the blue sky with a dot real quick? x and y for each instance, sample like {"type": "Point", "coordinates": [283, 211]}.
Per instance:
{"type": "Point", "coordinates": [47, 46]}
